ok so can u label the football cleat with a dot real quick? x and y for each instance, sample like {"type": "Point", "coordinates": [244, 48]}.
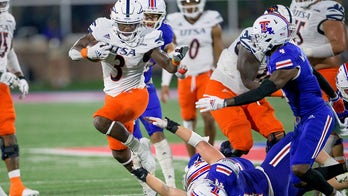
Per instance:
{"type": "Point", "coordinates": [147, 159]}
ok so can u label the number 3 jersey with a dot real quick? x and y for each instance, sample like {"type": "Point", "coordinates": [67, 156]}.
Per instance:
{"type": "Point", "coordinates": [309, 22]}
{"type": "Point", "coordinates": [7, 27]}
{"type": "Point", "coordinates": [198, 37]}
{"type": "Point", "coordinates": [123, 68]}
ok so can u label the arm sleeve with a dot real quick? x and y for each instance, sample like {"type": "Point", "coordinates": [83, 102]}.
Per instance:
{"type": "Point", "coordinates": [266, 88]}
{"type": "Point", "coordinates": [324, 85]}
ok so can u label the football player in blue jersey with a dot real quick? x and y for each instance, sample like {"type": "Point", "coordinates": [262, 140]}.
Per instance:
{"type": "Point", "coordinates": [290, 71]}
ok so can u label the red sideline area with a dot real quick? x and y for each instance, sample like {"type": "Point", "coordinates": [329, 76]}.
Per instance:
{"type": "Point", "coordinates": [256, 155]}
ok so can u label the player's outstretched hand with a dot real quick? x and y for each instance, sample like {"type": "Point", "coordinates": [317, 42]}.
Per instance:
{"type": "Point", "coordinates": [179, 53]}
{"type": "Point", "coordinates": [166, 123]}
{"type": "Point", "coordinates": [208, 103]}
{"type": "Point", "coordinates": [99, 51]}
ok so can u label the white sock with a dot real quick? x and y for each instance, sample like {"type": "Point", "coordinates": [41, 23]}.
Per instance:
{"type": "Point", "coordinates": [14, 173]}
{"type": "Point", "coordinates": [132, 143]}
{"type": "Point", "coordinates": [165, 160]}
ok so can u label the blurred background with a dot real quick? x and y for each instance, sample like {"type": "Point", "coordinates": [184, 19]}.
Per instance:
{"type": "Point", "coordinates": [46, 29]}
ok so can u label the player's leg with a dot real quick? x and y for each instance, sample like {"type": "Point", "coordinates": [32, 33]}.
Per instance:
{"type": "Point", "coordinates": [186, 98]}
{"type": "Point", "coordinates": [9, 146]}
{"type": "Point", "coordinates": [116, 120]}
{"type": "Point", "coordinates": [202, 81]}
{"type": "Point", "coordinates": [263, 120]}
{"type": "Point", "coordinates": [232, 120]}
{"type": "Point", "coordinates": [311, 134]}
{"type": "Point", "coordinates": [157, 137]}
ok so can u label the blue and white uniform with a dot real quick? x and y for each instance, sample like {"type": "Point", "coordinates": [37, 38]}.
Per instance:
{"type": "Point", "coordinates": [314, 119]}
{"type": "Point", "coordinates": [272, 177]}
{"type": "Point", "coordinates": [154, 107]}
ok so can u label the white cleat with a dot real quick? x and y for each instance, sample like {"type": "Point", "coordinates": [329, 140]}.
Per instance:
{"type": "Point", "coordinates": [147, 159]}
{"type": "Point", "coordinates": [30, 192]}
{"type": "Point", "coordinates": [342, 178]}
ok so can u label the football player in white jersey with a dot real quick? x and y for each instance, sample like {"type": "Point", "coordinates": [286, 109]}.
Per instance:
{"type": "Point", "coordinates": [12, 76]}
{"type": "Point", "coordinates": [123, 47]}
{"type": "Point", "coordinates": [321, 34]}
{"type": "Point", "coordinates": [201, 31]}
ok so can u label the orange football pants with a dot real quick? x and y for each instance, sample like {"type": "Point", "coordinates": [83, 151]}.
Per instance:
{"type": "Point", "coordinates": [124, 108]}
{"type": "Point", "coordinates": [236, 122]}
{"type": "Point", "coordinates": [190, 90]}
{"type": "Point", "coordinates": [330, 75]}
{"type": "Point", "coordinates": [7, 111]}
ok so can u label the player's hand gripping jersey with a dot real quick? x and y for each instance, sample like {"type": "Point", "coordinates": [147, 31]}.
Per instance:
{"type": "Point", "coordinates": [123, 68]}
{"type": "Point", "coordinates": [199, 58]}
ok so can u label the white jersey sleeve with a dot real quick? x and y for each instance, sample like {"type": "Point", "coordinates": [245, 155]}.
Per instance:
{"type": "Point", "coordinates": [7, 27]}
{"type": "Point", "coordinates": [310, 33]}
{"type": "Point", "coordinates": [198, 36]}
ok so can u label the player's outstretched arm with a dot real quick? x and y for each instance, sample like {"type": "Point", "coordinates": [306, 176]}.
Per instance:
{"type": "Point", "coordinates": [208, 152]}
{"type": "Point", "coordinates": [155, 183]}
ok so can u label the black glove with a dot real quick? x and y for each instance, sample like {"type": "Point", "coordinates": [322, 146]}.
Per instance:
{"type": "Point", "coordinates": [172, 126]}
{"type": "Point", "coordinates": [140, 173]}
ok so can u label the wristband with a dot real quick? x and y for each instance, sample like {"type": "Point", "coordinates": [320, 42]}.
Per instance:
{"type": "Point", "coordinates": [175, 63]}
{"type": "Point", "coordinates": [84, 52]}
{"type": "Point", "coordinates": [195, 139]}
{"type": "Point", "coordinates": [140, 173]}
{"type": "Point", "coordinates": [172, 126]}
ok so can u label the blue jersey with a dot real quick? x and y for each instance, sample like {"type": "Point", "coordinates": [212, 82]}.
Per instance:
{"type": "Point", "coordinates": [168, 36]}
{"type": "Point", "coordinates": [303, 92]}
{"type": "Point", "coordinates": [314, 119]}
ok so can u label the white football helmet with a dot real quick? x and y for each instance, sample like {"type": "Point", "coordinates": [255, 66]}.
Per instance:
{"type": "Point", "coordinates": [198, 170]}
{"type": "Point", "coordinates": [286, 13]}
{"type": "Point", "coordinates": [270, 30]}
{"type": "Point", "coordinates": [195, 8]}
{"type": "Point", "coordinates": [206, 187]}
{"type": "Point", "coordinates": [304, 3]}
{"type": "Point", "coordinates": [4, 5]}
{"type": "Point", "coordinates": [155, 7]}
{"type": "Point", "coordinates": [128, 16]}
{"type": "Point", "coordinates": [342, 81]}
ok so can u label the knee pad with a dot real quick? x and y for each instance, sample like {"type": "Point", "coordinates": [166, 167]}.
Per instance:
{"type": "Point", "coordinates": [9, 151]}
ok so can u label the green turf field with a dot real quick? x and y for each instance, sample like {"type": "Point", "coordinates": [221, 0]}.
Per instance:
{"type": "Point", "coordinates": [51, 125]}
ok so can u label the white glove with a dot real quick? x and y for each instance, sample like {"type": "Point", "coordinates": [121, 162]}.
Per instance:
{"type": "Point", "coordinates": [209, 102]}
{"type": "Point", "coordinates": [179, 53]}
{"type": "Point", "coordinates": [162, 123]}
{"type": "Point", "coordinates": [9, 79]}
{"type": "Point", "coordinates": [136, 161]}
{"type": "Point", "coordinates": [99, 51]}
{"type": "Point", "coordinates": [182, 69]}
{"type": "Point", "coordinates": [23, 87]}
